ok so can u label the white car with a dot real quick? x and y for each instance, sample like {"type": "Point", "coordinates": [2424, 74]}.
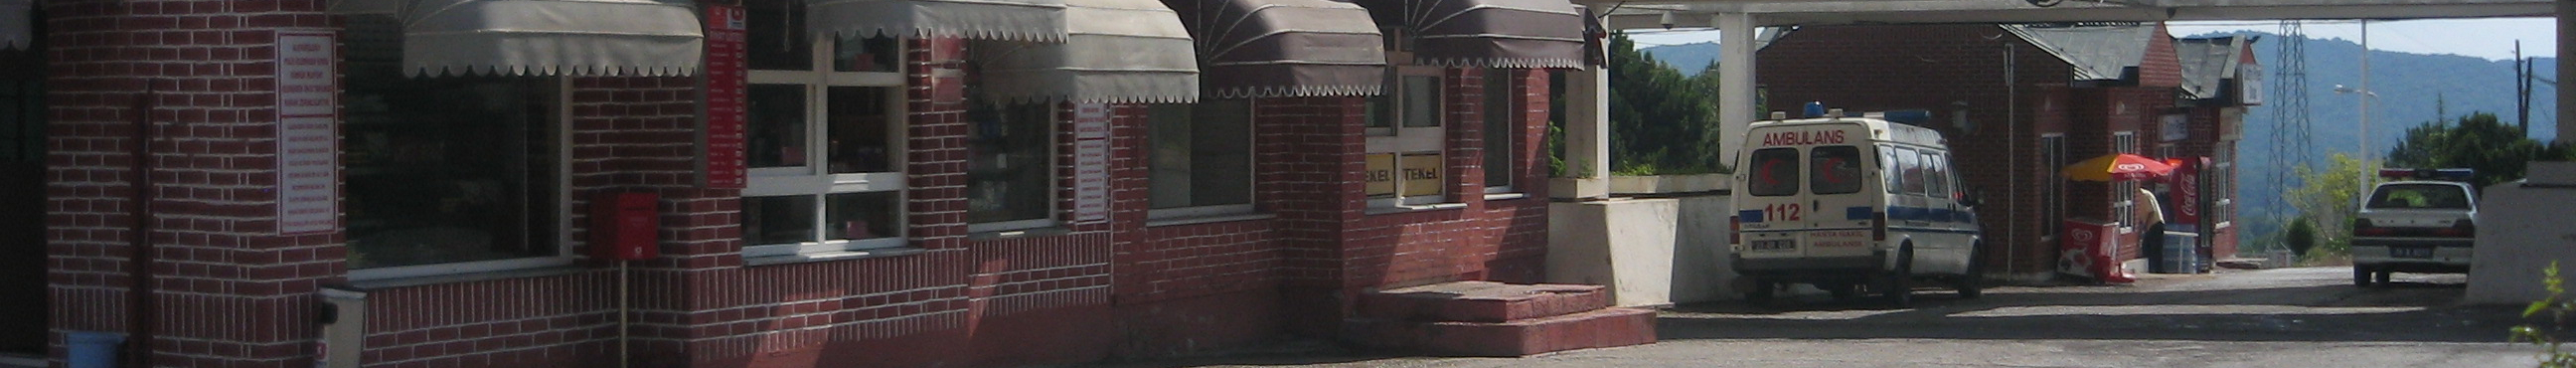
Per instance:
{"type": "Point", "coordinates": [2422, 226]}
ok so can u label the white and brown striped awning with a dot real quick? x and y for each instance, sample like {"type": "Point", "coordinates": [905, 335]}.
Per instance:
{"type": "Point", "coordinates": [1009, 20]}
{"type": "Point", "coordinates": [1489, 33]}
{"type": "Point", "coordinates": [1115, 51]}
{"type": "Point", "coordinates": [1284, 48]}
{"type": "Point", "coordinates": [543, 37]}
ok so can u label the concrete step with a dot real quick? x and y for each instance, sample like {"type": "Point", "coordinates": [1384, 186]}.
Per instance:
{"type": "Point", "coordinates": [1608, 327]}
{"type": "Point", "coordinates": [1481, 301]}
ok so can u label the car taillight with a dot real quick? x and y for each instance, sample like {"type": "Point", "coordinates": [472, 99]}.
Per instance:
{"type": "Point", "coordinates": [1734, 230]}
{"type": "Point", "coordinates": [1878, 227]}
{"type": "Point", "coordinates": [2465, 228]}
{"type": "Point", "coordinates": [2362, 227]}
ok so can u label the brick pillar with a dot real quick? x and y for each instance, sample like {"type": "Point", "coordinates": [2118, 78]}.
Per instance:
{"type": "Point", "coordinates": [200, 73]}
{"type": "Point", "coordinates": [1318, 180]}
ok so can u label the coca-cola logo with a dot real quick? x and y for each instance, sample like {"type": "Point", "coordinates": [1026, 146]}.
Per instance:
{"type": "Point", "coordinates": [2130, 167]}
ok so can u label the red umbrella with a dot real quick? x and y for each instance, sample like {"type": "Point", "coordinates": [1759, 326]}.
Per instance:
{"type": "Point", "coordinates": [2118, 167]}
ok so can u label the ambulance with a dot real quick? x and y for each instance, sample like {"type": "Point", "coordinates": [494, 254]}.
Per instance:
{"type": "Point", "coordinates": [1850, 205]}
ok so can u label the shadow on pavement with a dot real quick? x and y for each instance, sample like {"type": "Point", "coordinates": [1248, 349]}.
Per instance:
{"type": "Point", "coordinates": [2401, 312]}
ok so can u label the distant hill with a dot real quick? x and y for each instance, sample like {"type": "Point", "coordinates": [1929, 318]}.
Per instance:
{"type": "Point", "coordinates": [2409, 86]}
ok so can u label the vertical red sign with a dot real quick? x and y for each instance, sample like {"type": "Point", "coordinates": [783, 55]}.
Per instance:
{"type": "Point", "coordinates": [720, 146]}
{"type": "Point", "coordinates": [2186, 192]}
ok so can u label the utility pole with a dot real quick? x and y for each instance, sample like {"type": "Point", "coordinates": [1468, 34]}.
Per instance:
{"type": "Point", "coordinates": [2365, 94]}
{"type": "Point", "coordinates": [2521, 89]}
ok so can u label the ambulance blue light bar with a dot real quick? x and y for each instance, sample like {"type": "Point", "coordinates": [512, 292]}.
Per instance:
{"type": "Point", "coordinates": [2457, 174]}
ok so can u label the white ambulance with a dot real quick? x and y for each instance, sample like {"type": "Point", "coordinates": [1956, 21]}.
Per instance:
{"type": "Point", "coordinates": [1850, 205]}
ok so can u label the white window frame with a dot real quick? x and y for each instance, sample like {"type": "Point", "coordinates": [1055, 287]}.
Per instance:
{"type": "Point", "coordinates": [564, 255]}
{"type": "Point", "coordinates": [814, 179]}
{"type": "Point", "coordinates": [1252, 157]}
{"type": "Point", "coordinates": [1399, 140]}
{"type": "Point", "coordinates": [2125, 208]}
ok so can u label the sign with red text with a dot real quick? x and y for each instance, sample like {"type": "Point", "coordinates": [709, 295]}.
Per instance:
{"type": "Point", "coordinates": [308, 139]}
{"type": "Point", "coordinates": [720, 142]}
{"type": "Point", "coordinates": [1090, 162]}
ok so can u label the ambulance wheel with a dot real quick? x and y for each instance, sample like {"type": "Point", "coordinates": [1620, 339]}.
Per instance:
{"type": "Point", "coordinates": [1973, 284]}
{"type": "Point", "coordinates": [1900, 291]}
{"type": "Point", "coordinates": [1762, 291]}
{"type": "Point", "coordinates": [2361, 276]}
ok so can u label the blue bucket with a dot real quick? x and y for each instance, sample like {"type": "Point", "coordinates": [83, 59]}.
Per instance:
{"type": "Point", "coordinates": [91, 349]}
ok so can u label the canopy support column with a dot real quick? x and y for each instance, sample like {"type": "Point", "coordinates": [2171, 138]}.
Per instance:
{"type": "Point", "coordinates": [1735, 110]}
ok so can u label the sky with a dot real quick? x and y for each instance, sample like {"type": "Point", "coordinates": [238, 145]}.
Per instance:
{"type": "Point", "coordinates": [2490, 38]}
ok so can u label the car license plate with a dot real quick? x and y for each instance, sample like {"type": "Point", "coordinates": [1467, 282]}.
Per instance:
{"type": "Point", "coordinates": [2411, 252]}
{"type": "Point", "coordinates": [1782, 244]}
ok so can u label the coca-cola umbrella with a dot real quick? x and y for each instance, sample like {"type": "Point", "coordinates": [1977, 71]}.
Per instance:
{"type": "Point", "coordinates": [2118, 167]}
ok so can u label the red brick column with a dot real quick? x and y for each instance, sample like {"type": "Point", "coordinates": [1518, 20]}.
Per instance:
{"type": "Point", "coordinates": [199, 72]}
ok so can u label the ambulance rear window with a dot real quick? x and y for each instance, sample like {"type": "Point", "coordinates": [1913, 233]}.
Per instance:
{"type": "Point", "coordinates": [1837, 169]}
{"type": "Point", "coordinates": [1775, 172]}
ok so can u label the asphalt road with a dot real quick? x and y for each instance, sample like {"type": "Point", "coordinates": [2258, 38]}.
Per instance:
{"type": "Point", "coordinates": [2296, 317]}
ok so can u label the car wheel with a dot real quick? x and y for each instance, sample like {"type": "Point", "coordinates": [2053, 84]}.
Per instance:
{"type": "Point", "coordinates": [2360, 276]}
{"type": "Point", "coordinates": [2383, 278]}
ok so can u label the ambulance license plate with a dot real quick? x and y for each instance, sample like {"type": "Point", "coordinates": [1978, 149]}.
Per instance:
{"type": "Point", "coordinates": [1781, 244]}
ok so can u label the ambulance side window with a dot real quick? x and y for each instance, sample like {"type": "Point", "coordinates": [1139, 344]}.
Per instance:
{"type": "Point", "coordinates": [1936, 172]}
{"type": "Point", "coordinates": [1837, 169]}
{"type": "Point", "coordinates": [1775, 172]}
{"type": "Point", "coordinates": [1888, 171]}
{"type": "Point", "coordinates": [1910, 165]}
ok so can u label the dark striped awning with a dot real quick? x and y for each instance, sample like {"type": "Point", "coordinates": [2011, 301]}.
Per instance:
{"type": "Point", "coordinates": [1008, 20]}
{"type": "Point", "coordinates": [1493, 33]}
{"type": "Point", "coordinates": [542, 37]}
{"type": "Point", "coordinates": [1284, 48]}
{"type": "Point", "coordinates": [1115, 51]}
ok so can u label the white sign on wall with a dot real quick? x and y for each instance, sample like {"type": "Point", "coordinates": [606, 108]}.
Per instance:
{"type": "Point", "coordinates": [1090, 162]}
{"type": "Point", "coordinates": [308, 144]}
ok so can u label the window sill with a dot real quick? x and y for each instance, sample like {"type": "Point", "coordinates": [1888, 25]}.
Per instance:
{"type": "Point", "coordinates": [830, 256]}
{"type": "Point", "coordinates": [1194, 220]}
{"type": "Point", "coordinates": [1018, 233]}
{"type": "Point", "coordinates": [1505, 196]}
{"type": "Point", "coordinates": [1414, 208]}
{"type": "Point", "coordinates": [458, 278]}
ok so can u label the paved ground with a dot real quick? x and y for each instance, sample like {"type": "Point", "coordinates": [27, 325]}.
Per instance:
{"type": "Point", "coordinates": [2297, 317]}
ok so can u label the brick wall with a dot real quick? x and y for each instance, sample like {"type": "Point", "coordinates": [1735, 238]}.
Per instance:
{"type": "Point", "coordinates": [214, 255]}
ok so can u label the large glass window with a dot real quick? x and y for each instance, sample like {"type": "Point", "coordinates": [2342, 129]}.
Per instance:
{"type": "Point", "coordinates": [1837, 169]}
{"type": "Point", "coordinates": [448, 173]}
{"type": "Point", "coordinates": [1503, 122]}
{"type": "Point", "coordinates": [1201, 162]}
{"type": "Point", "coordinates": [823, 136]}
{"type": "Point", "coordinates": [1775, 172]}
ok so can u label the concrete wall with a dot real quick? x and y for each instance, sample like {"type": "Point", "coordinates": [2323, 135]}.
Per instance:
{"type": "Point", "coordinates": [2518, 235]}
{"type": "Point", "coordinates": [1650, 252]}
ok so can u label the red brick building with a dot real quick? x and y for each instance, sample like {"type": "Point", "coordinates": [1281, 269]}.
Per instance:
{"type": "Point", "coordinates": [2020, 102]}
{"type": "Point", "coordinates": [832, 183]}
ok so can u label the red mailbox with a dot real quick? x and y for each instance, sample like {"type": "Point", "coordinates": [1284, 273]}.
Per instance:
{"type": "Point", "coordinates": [625, 226]}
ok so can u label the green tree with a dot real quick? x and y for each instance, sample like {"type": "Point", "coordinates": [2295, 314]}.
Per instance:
{"type": "Point", "coordinates": [1660, 121]}
{"type": "Point", "coordinates": [2499, 152]}
{"type": "Point", "coordinates": [2328, 198]}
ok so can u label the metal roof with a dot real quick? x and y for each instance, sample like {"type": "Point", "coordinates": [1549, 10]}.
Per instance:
{"type": "Point", "coordinates": [2098, 52]}
{"type": "Point", "coordinates": [2207, 62]}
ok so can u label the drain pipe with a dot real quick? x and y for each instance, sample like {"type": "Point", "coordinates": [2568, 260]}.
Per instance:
{"type": "Point", "coordinates": [139, 259]}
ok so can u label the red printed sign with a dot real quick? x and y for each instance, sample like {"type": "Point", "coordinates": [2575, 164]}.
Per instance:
{"type": "Point", "coordinates": [1090, 162]}
{"type": "Point", "coordinates": [720, 147]}
{"type": "Point", "coordinates": [2186, 191]}
{"type": "Point", "coordinates": [308, 139]}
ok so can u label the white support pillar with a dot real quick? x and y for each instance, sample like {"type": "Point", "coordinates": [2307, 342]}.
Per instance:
{"type": "Point", "coordinates": [1735, 110]}
{"type": "Point", "coordinates": [1587, 137]}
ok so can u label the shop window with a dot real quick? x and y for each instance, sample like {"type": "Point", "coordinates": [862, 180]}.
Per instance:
{"type": "Point", "coordinates": [1010, 176]}
{"type": "Point", "coordinates": [1503, 122]}
{"type": "Point", "coordinates": [1406, 166]}
{"type": "Point", "coordinates": [823, 136]}
{"type": "Point", "coordinates": [1201, 162]}
{"type": "Point", "coordinates": [448, 174]}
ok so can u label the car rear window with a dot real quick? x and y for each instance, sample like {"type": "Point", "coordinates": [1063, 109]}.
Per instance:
{"type": "Point", "coordinates": [1837, 169]}
{"type": "Point", "coordinates": [2429, 196]}
{"type": "Point", "coordinates": [1775, 172]}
